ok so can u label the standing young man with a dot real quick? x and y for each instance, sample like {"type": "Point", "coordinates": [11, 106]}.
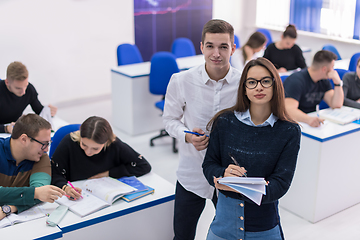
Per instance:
{"type": "Point", "coordinates": [193, 97]}
{"type": "Point", "coordinates": [25, 170]}
{"type": "Point", "coordinates": [16, 93]}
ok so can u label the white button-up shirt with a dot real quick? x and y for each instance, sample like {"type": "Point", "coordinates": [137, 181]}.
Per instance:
{"type": "Point", "coordinates": [191, 100]}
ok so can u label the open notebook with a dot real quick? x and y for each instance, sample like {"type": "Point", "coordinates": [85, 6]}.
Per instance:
{"type": "Point", "coordinates": [97, 194]}
{"type": "Point", "coordinates": [251, 187]}
{"type": "Point", "coordinates": [38, 211]}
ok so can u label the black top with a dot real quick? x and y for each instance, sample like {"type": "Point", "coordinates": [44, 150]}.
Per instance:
{"type": "Point", "coordinates": [288, 58]}
{"type": "Point", "coordinates": [12, 106]}
{"type": "Point", "coordinates": [351, 90]}
{"type": "Point", "coordinates": [73, 164]}
{"type": "Point", "coordinates": [268, 152]}
{"type": "Point", "coordinates": [302, 88]}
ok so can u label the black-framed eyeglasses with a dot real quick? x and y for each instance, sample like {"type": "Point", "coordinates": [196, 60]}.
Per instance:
{"type": "Point", "coordinates": [44, 145]}
{"type": "Point", "coordinates": [252, 83]}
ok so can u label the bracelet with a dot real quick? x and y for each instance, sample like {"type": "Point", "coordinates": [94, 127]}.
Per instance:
{"type": "Point", "coordinates": [64, 187]}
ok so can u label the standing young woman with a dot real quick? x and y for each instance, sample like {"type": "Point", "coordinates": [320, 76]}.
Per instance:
{"type": "Point", "coordinates": [258, 133]}
{"type": "Point", "coordinates": [94, 152]}
{"type": "Point", "coordinates": [241, 56]}
{"type": "Point", "coordinates": [285, 54]}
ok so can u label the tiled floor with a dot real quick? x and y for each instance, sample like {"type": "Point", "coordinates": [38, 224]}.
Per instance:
{"type": "Point", "coordinates": [344, 225]}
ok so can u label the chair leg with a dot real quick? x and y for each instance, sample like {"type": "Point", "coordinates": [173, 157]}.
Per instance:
{"type": "Point", "coordinates": [175, 150]}
{"type": "Point", "coordinates": [163, 133]}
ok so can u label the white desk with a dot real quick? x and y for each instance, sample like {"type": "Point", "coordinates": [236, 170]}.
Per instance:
{"type": "Point", "coordinates": [326, 177]}
{"type": "Point", "coordinates": [133, 106]}
{"type": "Point", "coordinates": [35, 229]}
{"type": "Point", "coordinates": [150, 217]}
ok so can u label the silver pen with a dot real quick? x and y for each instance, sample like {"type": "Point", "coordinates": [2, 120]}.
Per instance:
{"type": "Point", "coordinates": [236, 163]}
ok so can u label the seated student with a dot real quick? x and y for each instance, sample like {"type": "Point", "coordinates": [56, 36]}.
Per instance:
{"type": "Point", "coordinates": [25, 167]}
{"type": "Point", "coordinates": [305, 89]}
{"type": "Point", "coordinates": [352, 87]}
{"type": "Point", "coordinates": [285, 54]}
{"type": "Point", "coordinates": [247, 52]}
{"type": "Point", "coordinates": [16, 93]}
{"type": "Point", "coordinates": [94, 152]}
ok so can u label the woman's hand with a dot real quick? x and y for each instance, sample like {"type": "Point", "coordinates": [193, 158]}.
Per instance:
{"type": "Point", "coordinates": [222, 186]}
{"type": "Point", "coordinates": [234, 171]}
{"type": "Point", "coordinates": [74, 195]}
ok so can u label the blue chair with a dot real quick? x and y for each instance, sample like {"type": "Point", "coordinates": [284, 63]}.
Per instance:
{"type": "Point", "coordinates": [267, 35]}
{"type": "Point", "coordinates": [60, 134]}
{"type": "Point", "coordinates": [237, 41]}
{"type": "Point", "coordinates": [163, 66]}
{"type": "Point", "coordinates": [353, 62]}
{"type": "Point", "coordinates": [183, 47]}
{"type": "Point", "coordinates": [333, 49]}
{"type": "Point", "coordinates": [128, 54]}
{"type": "Point", "coordinates": [283, 77]}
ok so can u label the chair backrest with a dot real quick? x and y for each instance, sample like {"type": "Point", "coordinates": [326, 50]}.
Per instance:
{"type": "Point", "coordinates": [163, 66]}
{"type": "Point", "coordinates": [341, 72]}
{"type": "Point", "coordinates": [283, 77]}
{"type": "Point", "coordinates": [333, 49]}
{"type": "Point", "coordinates": [128, 54]}
{"type": "Point", "coordinates": [183, 47]}
{"type": "Point", "coordinates": [60, 134]}
{"type": "Point", "coordinates": [237, 41]}
{"type": "Point", "coordinates": [353, 61]}
{"type": "Point", "coordinates": [267, 35]}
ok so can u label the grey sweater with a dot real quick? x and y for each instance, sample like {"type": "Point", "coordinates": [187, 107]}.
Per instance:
{"type": "Point", "coordinates": [351, 90]}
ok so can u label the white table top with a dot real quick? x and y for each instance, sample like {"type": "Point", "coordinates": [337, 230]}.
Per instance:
{"type": "Point", "coordinates": [143, 69]}
{"type": "Point", "coordinates": [34, 229]}
{"type": "Point", "coordinates": [328, 131]}
{"type": "Point", "coordinates": [164, 192]}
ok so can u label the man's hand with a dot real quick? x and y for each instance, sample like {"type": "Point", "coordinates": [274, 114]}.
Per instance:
{"type": "Point", "coordinates": [48, 193]}
{"type": "Point", "coordinates": [199, 142]}
{"type": "Point", "coordinates": [282, 70]}
{"type": "Point", "coordinates": [53, 110]}
{"type": "Point", "coordinates": [315, 121]}
{"type": "Point", "coordinates": [333, 74]}
{"type": "Point", "coordinates": [10, 127]}
{"type": "Point", "coordinates": [100, 175]}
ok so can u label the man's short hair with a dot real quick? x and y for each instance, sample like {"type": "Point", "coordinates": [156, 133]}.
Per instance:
{"type": "Point", "coordinates": [323, 57]}
{"type": "Point", "coordinates": [17, 71]}
{"type": "Point", "coordinates": [29, 124]}
{"type": "Point", "coordinates": [217, 26]}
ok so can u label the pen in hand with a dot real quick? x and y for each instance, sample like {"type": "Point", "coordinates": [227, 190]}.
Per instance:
{"type": "Point", "coordinates": [236, 163]}
{"type": "Point", "coordinates": [195, 133]}
{"type": "Point", "coordinates": [74, 188]}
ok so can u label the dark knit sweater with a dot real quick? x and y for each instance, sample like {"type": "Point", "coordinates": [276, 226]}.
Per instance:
{"type": "Point", "coordinates": [119, 158]}
{"type": "Point", "coordinates": [268, 152]}
{"type": "Point", "coordinates": [287, 58]}
{"type": "Point", "coordinates": [12, 106]}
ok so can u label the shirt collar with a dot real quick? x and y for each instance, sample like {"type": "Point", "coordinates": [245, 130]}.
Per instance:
{"type": "Point", "coordinates": [246, 116]}
{"type": "Point", "coordinates": [205, 77]}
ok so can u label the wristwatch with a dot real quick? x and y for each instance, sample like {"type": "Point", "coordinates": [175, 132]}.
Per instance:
{"type": "Point", "coordinates": [340, 84]}
{"type": "Point", "coordinates": [6, 209]}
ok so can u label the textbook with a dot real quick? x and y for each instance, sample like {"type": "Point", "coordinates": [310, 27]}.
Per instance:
{"type": "Point", "coordinates": [133, 196]}
{"type": "Point", "coordinates": [38, 211]}
{"type": "Point", "coordinates": [343, 115]}
{"type": "Point", "coordinates": [96, 194]}
{"type": "Point", "coordinates": [251, 187]}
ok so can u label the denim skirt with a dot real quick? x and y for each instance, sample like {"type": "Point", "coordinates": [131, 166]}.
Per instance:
{"type": "Point", "coordinates": [228, 223]}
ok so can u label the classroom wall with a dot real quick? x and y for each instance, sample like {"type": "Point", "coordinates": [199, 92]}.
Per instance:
{"type": "Point", "coordinates": [68, 46]}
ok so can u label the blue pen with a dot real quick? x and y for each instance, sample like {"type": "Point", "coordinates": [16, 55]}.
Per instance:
{"type": "Point", "coordinates": [195, 133]}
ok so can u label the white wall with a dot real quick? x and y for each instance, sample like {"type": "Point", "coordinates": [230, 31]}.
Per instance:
{"type": "Point", "coordinates": [68, 46]}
